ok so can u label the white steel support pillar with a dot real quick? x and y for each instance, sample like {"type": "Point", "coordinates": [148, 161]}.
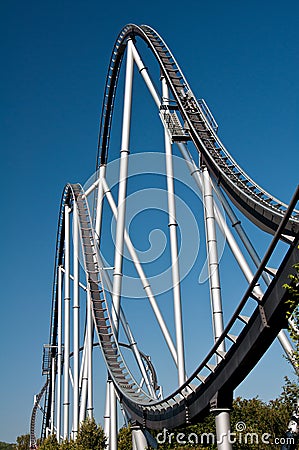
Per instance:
{"type": "Point", "coordinates": [222, 416]}
{"type": "Point", "coordinates": [85, 379]}
{"type": "Point", "coordinates": [66, 392]}
{"type": "Point", "coordinates": [107, 412]}
{"type": "Point", "coordinates": [120, 225]}
{"type": "Point", "coordinates": [122, 188]}
{"type": "Point", "coordinates": [59, 354]}
{"type": "Point", "coordinates": [174, 248]}
{"type": "Point", "coordinates": [90, 329]}
{"type": "Point", "coordinates": [83, 383]}
{"type": "Point", "coordinates": [76, 325]}
{"type": "Point", "coordinates": [52, 396]}
{"type": "Point", "coordinates": [212, 254]}
{"type": "Point", "coordinates": [113, 431]}
{"type": "Point", "coordinates": [223, 430]}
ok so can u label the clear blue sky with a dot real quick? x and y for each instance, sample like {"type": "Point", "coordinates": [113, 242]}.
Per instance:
{"type": "Point", "coordinates": [242, 57]}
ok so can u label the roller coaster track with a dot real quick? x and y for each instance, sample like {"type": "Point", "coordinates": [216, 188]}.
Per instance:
{"type": "Point", "coordinates": [259, 206]}
{"type": "Point", "coordinates": [33, 443]}
{"type": "Point", "coordinates": [220, 372]}
{"type": "Point", "coordinates": [189, 401]}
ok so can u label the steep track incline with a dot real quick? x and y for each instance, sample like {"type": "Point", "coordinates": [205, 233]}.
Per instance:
{"type": "Point", "coordinates": [259, 206]}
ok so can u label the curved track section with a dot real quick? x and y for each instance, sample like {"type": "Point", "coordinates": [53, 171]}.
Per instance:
{"type": "Point", "coordinates": [259, 206]}
{"type": "Point", "coordinates": [59, 258]}
{"type": "Point", "coordinates": [73, 196]}
{"type": "Point", "coordinates": [210, 380]}
{"type": "Point", "coordinates": [33, 443]}
{"type": "Point", "coordinates": [191, 401]}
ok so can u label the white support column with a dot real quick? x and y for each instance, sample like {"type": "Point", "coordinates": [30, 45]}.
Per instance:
{"type": "Point", "coordinates": [212, 255]}
{"type": "Point", "coordinates": [66, 392]}
{"type": "Point", "coordinates": [119, 238]}
{"type": "Point", "coordinates": [113, 431]}
{"type": "Point", "coordinates": [120, 225]}
{"type": "Point", "coordinates": [174, 248]}
{"type": "Point", "coordinates": [90, 329]}
{"type": "Point", "coordinates": [83, 379]}
{"type": "Point", "coordinates": [83, 384]}
{"type": "Point", "coordinates": [222, 416]}
{"type": "Point", "coordinates": [222, 419]}
{"type": "Point", "coordinates": [76, 325]}
{"type": "Point", "coordinates": [122, 188]}
{"type": "Point", "coordinates": [83, 361]}
{"type": "Point", "coordinates": [59, 354]}
{"type": "Point", "coordinates": [107, 412]}
{"type": "Point", "coordinates": [52, 420]}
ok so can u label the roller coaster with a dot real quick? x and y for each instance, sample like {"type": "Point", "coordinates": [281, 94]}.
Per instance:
{"type": "Point", "coordinates": [87, 298]}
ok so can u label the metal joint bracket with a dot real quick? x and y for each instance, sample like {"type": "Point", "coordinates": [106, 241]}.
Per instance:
{"type": "Point", "coordinates": [263, 317]}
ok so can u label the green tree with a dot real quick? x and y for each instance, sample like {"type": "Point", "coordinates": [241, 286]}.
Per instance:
{"type": "Point", "coordinates": [293, 301]}
{"type": "Point", "coordinates": [6, 446]}
{"type": "Point", "coordinates": [68, 445]}
{"type": "Point", "coordinates": [90, 436]}
{"type": "Point", "coordinates": [50, 443]}
{"type": "Point", "coordinates": [23, 442]}
{"type": "Point", "coordinates": [124, 441]}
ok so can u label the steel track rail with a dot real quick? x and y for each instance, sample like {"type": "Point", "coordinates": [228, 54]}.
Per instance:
{"type": "Point", "coordinates": [59, 255]}
{"type": "Point", "coordinates": [262, 208]}
{"type": "Point", "coordinates": [33, 443]}
{"type": "Point", "coordinates": [260, 330]}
